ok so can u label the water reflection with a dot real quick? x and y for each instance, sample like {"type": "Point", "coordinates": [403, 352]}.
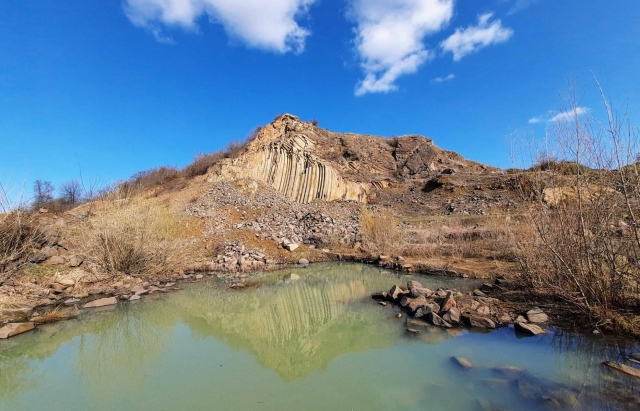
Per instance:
{"type": "Point", "coordinates": [312, 339]}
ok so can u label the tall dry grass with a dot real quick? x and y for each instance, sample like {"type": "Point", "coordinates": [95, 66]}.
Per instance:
{"type": "Point", "coordinates": [132, 236]}
{"type": "Point", "coordinates": [586, 247]}
{"type": "Point", "coordinates": [380, 232]}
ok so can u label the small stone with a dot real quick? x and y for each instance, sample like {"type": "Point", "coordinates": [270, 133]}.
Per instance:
{"type": "Point", "coordinates": [12, 329]}
{"type": "Point", "coordinates": [72, 301]}
{"type": "Point", "coordinates": [199, 276]}
{"type": "Point", "coordinates": [530, 329]}
{"type": "Point", "coordinates": [623, 368]}
{"type": "Point", "coordinates": [479, 293]}
{"type": "Point", "coordinates": [75, 261]}
{"type": "Point", "coordinates": [413, 331]}
{"type": "Point", "coordinates": [138, 289]}
{"type": "Point", "coordinates": [303, 261]}
{"type": "Point", "coordinates": [101, 302]}
{"type": "Point", "coordinates": [135, 297]}
{"type": "Point", "coordinates": [399, 315]}
{"type": "Point", "coordinates": [291, 246]}
{"type": "Point", "coordinates": [382, 303]}
{"type": "Point", "coordinates": [536, 315]}
{"type": "Point", "coordinates": [521, 319]}
{"type": "Point", "coordinates": [462, 362]}
{"type": "Point", "coordinates": [486, 288]}
{"type": "Point", "coordinates": [478, 321]}
{"type": "Point", "coordinates": [56, 260]}
{"type": "Point", "coordinates": [380, 296]}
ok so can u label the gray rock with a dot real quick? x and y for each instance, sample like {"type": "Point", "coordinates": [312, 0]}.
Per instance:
{"type": "Point", "coordinates": [396, 293]}
{"type": "Point", "coordinates": [12, 329]}
{"type": "Point", "coordinates": [382, 303]}
{"type": "Point", "coordinates": [416, 289]}
{"type": "Point", "coordinates": [536, 315]}
{"type": "Point", "coordinates": [138, 289]}
{"type": "Point", "coordinates": [18, 314]}
{"type": "Point", "coordinates": [412, 304]}
{"type": "Point", "coordinates": [413, 331]}
{"type": "Point", "coordinates": [462, 362]}
{"type": "Point", "coordinates": [452, 316]}
{"type": "Point", "coordinates": [303, 261]}
{"type": "Point", "coordinates": [530, 329]}
{"type": "Point", "coordinates": [478, 321]}
{"type": "Point", "coordinates": [436, 320]}
{"type": "Point", "coordinates": [135, 297]}
{"type": "Point", "coordinates": [291, 246]}
{"type": "Point", "coordinates": [101, 302]}
{"type": "Point", "coordinates": [75, 261]}
{"type": "Point", "coordinates": [448, 303]}
{"type": "Point", "coordinates": [72, 301]}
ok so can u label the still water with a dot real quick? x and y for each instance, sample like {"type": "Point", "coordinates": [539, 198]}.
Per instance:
{"type": "Point", "coordinates": [313, 340]}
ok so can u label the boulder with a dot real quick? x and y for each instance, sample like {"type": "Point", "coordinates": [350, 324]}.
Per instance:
{"type": "Point", "coordinates": [448, 303]}
{"type": "Point", "coordinates": [436, 320]}
{"type": "Point", "coordinates": [428, 308]}
{"type": "Point", "coordinates": [462, 362]}
{"type": "Point", "coordinates": [530, 329]}
{"type": "Point", "coordinates": [18, 314]}
{"type": "Point", "coordinates": [412, 304]}
{"type": "Point", "coordinates": [56, 260]}
{"type": "Point", "coordinates": [633, 372]}
{"type": "Point", "coordinates": [291, 246]}
{"type": "Point", "coordinates": [536, 315]}
{"type": "Point", "coordinates": [12, 329]}
{"type": "Point", "coordinates": [75, 261]}
{"type": "Point", "coordinates": [452, 316]}
{"type": "Point", "coordinates": [416, 289]}
{"type": "Point", "coordinates": [477, 321]}
{"type": "Point", "coordinates": [101, 302]}
{"type": "Point", "coordinates": [396, 293]}
{"type": "Point", "coordinates": [479, 293]}
{"type": "Point", "coordinates": [67, 282]}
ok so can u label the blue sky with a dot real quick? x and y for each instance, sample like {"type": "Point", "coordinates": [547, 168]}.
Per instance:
{"type": "Point", "coordinates": [111, 87]}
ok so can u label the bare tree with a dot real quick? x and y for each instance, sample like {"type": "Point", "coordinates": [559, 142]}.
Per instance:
{"type": "Point", "coordinates": [42, 192]}
{"type": "Point", "coordinates": [71, 192]}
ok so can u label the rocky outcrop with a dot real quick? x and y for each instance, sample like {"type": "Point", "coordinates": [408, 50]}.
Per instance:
{"type": "Point", "coordinates": [307, 163]}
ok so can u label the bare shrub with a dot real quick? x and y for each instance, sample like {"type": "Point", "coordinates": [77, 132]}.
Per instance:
{"type": "Point", "coordinates": [586, 248]}
{"type": "Point", "coordinates": [380, 232]}
{"type": "Point", "coordinates": [201, 163]}
{"type": "Point", "coordinates": [71, 192]}
{"type": "Point", "coordinates": [153, 177]}
{"type": "Point", "coordinates": [129, 236]}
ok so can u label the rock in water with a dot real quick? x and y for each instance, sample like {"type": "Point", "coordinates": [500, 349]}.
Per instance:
{"type": "Point", "coordinates": [448, 303]}
{"type": "Point", "coordinates": [536, 315]}
{"type": "Point", "coordinates": [412, 304]}
{"type": "Point", "coordinates": [379, 296]}
{"type": "Point", "coordinates": [12, 329]}
{"type": "Point", "coordinates": [530, 329]}
{"type": "Point", "coordinates": [462, 362]}
{"type": "Point", "coordinates": [416, 289]}
{"type": "Point", "coordinates": [436, 320]}
{"type": "Point", "coordinates": [623, 368]}
{"type": "Point", "coordinates": [303, 261]}
{"type": "Point", "coordinates": [101, 302]}
{"type": "Point", "coordinates": [478, 321]}
{"type": "Point", "coordinates": [396, 293]}
{"type": "Point", "coordinates": [452, 316]}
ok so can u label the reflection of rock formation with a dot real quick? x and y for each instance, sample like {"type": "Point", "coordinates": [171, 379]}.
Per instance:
{"type": "Point", "coordinates": [296, 328]}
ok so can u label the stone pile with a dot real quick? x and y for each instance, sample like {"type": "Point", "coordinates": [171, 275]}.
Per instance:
{"type": "Point", "coordinates": [234, 256]}
{"type": "Point", "coordinates": [448, 308]}
{"type": "Point", "coordinates": [275, 217]}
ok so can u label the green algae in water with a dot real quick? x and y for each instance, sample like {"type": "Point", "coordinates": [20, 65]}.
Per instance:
{"type": "Point", "coordinates": [314, 340]}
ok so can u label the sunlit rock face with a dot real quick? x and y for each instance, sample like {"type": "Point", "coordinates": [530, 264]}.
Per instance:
{"type": "Point", "coordinates": [282, 155]}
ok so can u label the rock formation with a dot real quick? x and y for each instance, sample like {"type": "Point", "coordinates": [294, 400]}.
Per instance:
{"type": "Point", "coordinates": [307, 163]}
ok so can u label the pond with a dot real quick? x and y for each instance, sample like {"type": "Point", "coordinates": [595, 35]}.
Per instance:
{"type": "Point", "coordinates": [303, 339]}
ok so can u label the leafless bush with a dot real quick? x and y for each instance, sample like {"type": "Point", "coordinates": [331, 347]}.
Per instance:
{"type": "Point", "coordinates": [380, 232]}
{"type": "Point", "coordinates": [71, 192]}
{"type": "Point", "coordinates": [201, 163]}
{"type": "Point", "coordinates": [586, 250]}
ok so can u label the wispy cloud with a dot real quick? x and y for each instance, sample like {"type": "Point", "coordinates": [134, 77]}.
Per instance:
{"type": "Point", "coordinates": [269, 25]}
{"type": "Point", "coordinates": [535, 120]}
{"type": "Point", "coordinates": [438, 80]}
{"type": "Point", "coordinates": [519, 5]}
{"type": "Point", "coordinates": [389, 38]}
{"type": "Point", "coordinates": [473, 38]}
{"type": "Point", "coordinates": [569, 114]}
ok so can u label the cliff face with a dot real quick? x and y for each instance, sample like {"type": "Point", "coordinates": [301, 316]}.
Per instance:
{"type": "Point", "coordinates": [307, 163]}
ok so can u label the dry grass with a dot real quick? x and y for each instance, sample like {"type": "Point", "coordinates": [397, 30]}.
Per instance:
{"type": "Point", "coordinates": [55, 315]}
{"type": "Point", "coordinates": [132, 236]}
{"type": "Point", "coordinates": [380, 232]}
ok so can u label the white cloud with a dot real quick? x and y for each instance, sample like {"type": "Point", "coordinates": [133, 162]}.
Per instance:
{"type": "Point", "coordinates": [443, 79]}
{"type": "Point", "coordinates": [389, 38]}
{"type": "Point", "coordinates": [474, 38]}
{"type": "Point", "coordinates": [569, 114]}
{"type": "Point", "coordinates": [269, 25]}
{"type": "Point", "coordinates": [535, 120]}
{"type": "Point", "coordinates": [520, 5]}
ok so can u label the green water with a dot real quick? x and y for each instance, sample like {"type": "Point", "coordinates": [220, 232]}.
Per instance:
{"type": "Point", "coordinates": [314, 343]}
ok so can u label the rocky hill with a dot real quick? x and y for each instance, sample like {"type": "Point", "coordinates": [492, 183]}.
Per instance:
{"type": "Point", "coordinates": [307, 163]}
